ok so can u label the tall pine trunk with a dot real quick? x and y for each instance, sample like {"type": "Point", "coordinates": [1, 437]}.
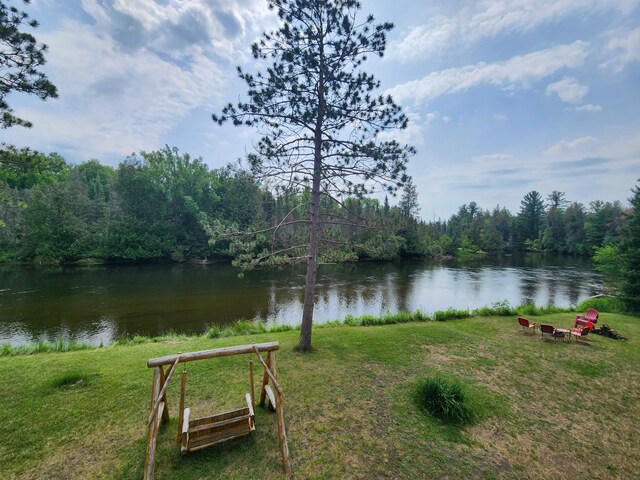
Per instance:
{"type": "Point", "coordinates": [312, 263]}
{"type": "Point", "coordinates": [314, 224]}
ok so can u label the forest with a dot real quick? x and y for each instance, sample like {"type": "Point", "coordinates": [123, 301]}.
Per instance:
{"type": "Point", "coordinates": [168, 206]}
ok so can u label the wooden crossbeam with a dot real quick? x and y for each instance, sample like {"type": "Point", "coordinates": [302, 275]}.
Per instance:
{"type": "Point", "coordinates": [214, 353]}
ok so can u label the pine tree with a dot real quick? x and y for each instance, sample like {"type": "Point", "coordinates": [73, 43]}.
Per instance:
{"type": "Point", "coordinates": [408, 204]}
{"type": "Point", "coordinates": [630, 255]}
{"type": "Point", "coordinates": [531, 211]}
{"type": "Point", "coordinates": [319, 114]}
{"type": "Point", "coordinates": [20, 56]}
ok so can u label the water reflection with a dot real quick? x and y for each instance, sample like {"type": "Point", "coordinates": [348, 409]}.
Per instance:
{"type": "Point", "coordinates": [99, 304]}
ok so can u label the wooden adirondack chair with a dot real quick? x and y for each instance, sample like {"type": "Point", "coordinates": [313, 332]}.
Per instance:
{"type": "Point", "coordinates": [524, 323]}
{"type": "Point", "coordinates": [591, 315]}
{"type": "Point", "coordinates": [551, 331]}
{"type": "Point", "coordinates": [580, 333]}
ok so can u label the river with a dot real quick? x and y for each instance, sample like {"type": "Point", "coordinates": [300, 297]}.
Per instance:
{"type": "Point", "coordinates": [100, 304]}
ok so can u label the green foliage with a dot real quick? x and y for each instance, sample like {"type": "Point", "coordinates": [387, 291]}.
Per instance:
{"type": "Point", "coordinates": [381, 246]}
{"type": "Point", "coordinates": [43, 346]}
{"type": "Point", "coordinates": [408, 205]}
{"type": "Point", "coordinates": [630, 256]}
{"type": "Point", "coordinates": [444, 399]}
{"type": "Point", "coordinates": [248, 327]}
{"type": "Point", "coordinates": [603, 304]}
{"type": "Point", "coordinates": [501, 308]}
{"type": "Point", "coordinates": [607, 261]}
{"type": "Point", "coordinates": [576, 239]}
{"type": "Point", "coordinates": [23, 168]}
{"type": "Point", "coordinates": [21, 57]}
{"type": "Point", "coordinates": [213, 332]}
{"type": "Point", "coordinates": [450, 314]}
{"type": "Point", "coordinates": [165, 205]}
{"type": "Point", "coordinates": [532, 309]}
{"type": "Point", "coordinates": [531, 216]}
{"type": "Point", "coordinates": [281, 328]}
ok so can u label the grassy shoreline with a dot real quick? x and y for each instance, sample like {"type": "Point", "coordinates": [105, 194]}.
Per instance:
{"type": "Point", "coordinates": [350, 406]}
{"type": "Point", "coordinates": [248, 327]}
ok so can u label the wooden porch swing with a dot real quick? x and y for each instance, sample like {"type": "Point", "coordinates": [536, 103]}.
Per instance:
{"type": "Point", "coordinates": [195, 434]}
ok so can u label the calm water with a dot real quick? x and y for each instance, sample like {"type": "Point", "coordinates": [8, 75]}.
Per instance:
{"type": "Point", "coordinates": [102, 303]}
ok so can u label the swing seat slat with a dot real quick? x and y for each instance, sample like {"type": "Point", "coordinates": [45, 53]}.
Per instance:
{"type": "Point", "coordinates": [205, 431]}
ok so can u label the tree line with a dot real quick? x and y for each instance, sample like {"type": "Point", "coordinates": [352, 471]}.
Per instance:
{"type": "Point", "coordinates": [166, 205]}
{"type": "Point", "coordinates": [555, 226]}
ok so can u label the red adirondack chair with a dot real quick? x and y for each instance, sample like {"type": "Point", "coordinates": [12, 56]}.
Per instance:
{"type": "Point", "coordinates": [550, 330]}
{"type": "Point", "coordinates": [526, 323]}
{"type": "Point", "coordinates": [580, 333]}
{"type": "Point", "coordinates": [591, 315]}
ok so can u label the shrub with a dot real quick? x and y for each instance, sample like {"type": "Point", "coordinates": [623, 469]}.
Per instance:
{"type": "Point", "coordinates": [500, 308]}
{"type": "Point", "coordinates": [281, 328]}
{"type": "Point", "coordinates": [603, 304]}
{"type": "Point", "coordinates": [444, 399]}
{"type": "Point", "coordinates": [450, 314]}
{"type": "Point", "coordinates": [213, 332]}
{"type": "Point", "coordinates": [247, 327]}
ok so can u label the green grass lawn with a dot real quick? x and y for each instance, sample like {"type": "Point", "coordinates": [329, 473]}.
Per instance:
{"type": "Point", "coordinates": [543, 409]}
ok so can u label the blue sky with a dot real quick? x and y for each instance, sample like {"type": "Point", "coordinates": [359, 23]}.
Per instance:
{"type": "Point", "coordinates": [504, 96]}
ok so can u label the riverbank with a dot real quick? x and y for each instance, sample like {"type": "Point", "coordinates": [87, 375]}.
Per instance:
{"type": "Point", "coordinates": [247, 327]}
{"type": "Point", "coordinates": [350, 408]}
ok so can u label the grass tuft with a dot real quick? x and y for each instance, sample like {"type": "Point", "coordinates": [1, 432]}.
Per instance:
{"type": "Point", "coordinates": [73, 380]}
{"type": "Point", "coordinates": [444, 399]}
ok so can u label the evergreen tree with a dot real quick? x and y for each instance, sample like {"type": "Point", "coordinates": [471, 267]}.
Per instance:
{"type": "Point", "coordinates": [553, 235]}
{"type": "Point", "coordinates": [531, 212]}
{"type": "Point", "coordinates": [575, 237]}
{"type": "Point", "coordinates": [320, 115]}
{"type": "Point", "coordinates": [20, 57]}
{"type": "Point", "coordinates": [409, 205]}
{"type": "Point", "coordinates": [630, 255]}
{"type": "Point", "coordinates": [557, 200]}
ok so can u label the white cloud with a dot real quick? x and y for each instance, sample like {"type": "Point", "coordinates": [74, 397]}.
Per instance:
{"type": "Point", "coordinates": [114, 102]}
{"type": "Point", "coordinates": [622, 49]}
{"type": "Point", "coordinates": [179, 28]}
{"type": "Point", "coordinates": [568, 89]}
{"type": "Point", "coordinates": [431, 117]}
{"type": "Point", "coordinates": [608, 166]}
{"type": "Point", "coordinates": [520, 70]}
{"type": "Point", "coordinates": [576, 147]}
{"type": "Point", "coordinates": [492, 158]}
{"type": "Point", "coordinates": [475, 20]}
{"type": "Point", "coordinates": [138, 71]}
{"type": "Point", "coordinates": [589, 108]}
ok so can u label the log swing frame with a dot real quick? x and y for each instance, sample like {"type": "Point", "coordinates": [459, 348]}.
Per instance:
{"type": "Point", "coordinates": [194, 434]}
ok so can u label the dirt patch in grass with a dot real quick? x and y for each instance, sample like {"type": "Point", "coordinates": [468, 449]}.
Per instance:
{"type": "Point", "coordinates": [93, 456]}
